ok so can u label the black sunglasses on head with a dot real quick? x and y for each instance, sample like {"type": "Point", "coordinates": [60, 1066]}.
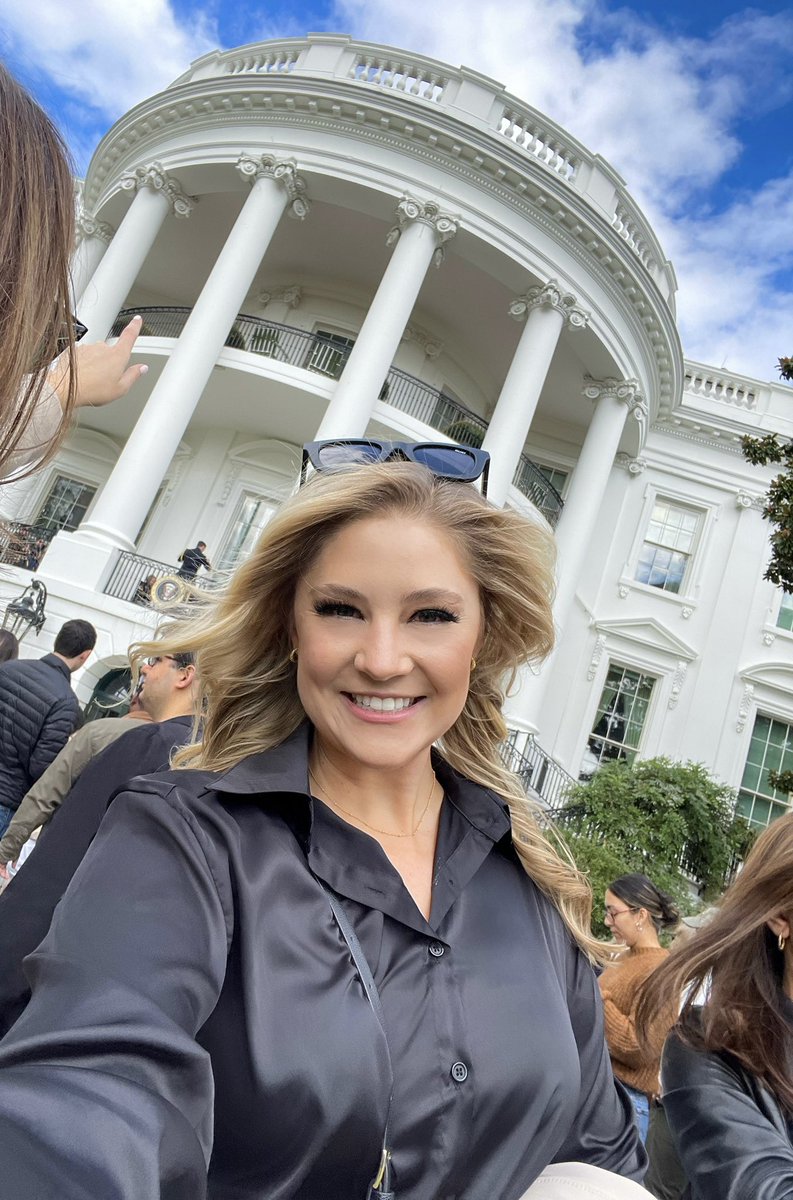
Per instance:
{"type": "Point", "coordinates": [446, 460]}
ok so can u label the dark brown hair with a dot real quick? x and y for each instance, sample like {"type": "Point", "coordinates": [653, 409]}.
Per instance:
{"type": "Point", "coordinates": [638, 891]}
{"type": "Point", "coordinates": [36, 237]}
{"type": "Point", "coordinates": [738, 959]}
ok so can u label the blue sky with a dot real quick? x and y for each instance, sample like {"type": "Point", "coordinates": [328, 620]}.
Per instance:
{"type": "Point", "coordinates": [692, 102]}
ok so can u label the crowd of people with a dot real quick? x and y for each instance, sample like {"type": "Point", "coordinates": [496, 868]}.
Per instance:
{"type": "Point", "coordinates": [291, 928]}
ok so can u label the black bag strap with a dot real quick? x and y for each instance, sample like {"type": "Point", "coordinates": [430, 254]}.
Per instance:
{"type": "Point", "coordinates": [381, 1187]}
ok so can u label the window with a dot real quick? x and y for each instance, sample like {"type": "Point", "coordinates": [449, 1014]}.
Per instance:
{"type": "Point", "coordinates": [328, 353]}
{"type": "Point", "coordinates": [253, 513]}
{"type": "Point", "coordinates": [771, 749]}
{"type": "Point", "coordinates": [556, 477]}
{"type": "Point", "coordinates": [784, 618]}
{"type": "Point", "coordinates": [619, 720]}
{"type": "Point", "coordinates": [66, 505]}
{"type": "Point", "coordinates": [668, 546]}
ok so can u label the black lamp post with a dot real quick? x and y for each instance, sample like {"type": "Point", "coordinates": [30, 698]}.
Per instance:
{"type": "Point", "coordinates": [27, 611]}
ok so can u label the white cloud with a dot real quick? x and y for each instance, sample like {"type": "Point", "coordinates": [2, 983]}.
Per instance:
{"type": "Point", "coordinates": [109, 55]}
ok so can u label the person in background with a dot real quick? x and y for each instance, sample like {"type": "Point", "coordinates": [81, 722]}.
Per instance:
{"type": "Point", "coordinates": [198, 999]}
{"type": "Point", "coordinates": [727, 1067]}
{"type": "Point", "coordinates": [143, 591]}
{"type": "Point", "coordinates": [49, 790]}
{"type": "Point", "coordinates": [9, 646]}
{"type": "Point", "coordinates": [191, 560]}
{"type": "Point", "coordinates": [38, 712]}
{"type": "Point", "coordinates": [44, 376]}
{"type": "Point", "coordinates": [28, 902]}
{"type": "Point", "coordinates": [636, 912]}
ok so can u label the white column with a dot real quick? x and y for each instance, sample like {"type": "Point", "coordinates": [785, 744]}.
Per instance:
{"type": "Point", "coordinates": [420, 234]}
{"type": "Point", "coordinates": [125, 499]}
{"type": "Point", "coordinates": [546, 309]}
{"type": "Point", "coordinates": [614, 399]}
{"type": "Point", "coordinates": [156, 195]}
{"type": "Point", "coordinates": [93, 239]}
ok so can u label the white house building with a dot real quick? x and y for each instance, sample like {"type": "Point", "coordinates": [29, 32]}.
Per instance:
{"type": "Point", "coordinates": [326, 237]}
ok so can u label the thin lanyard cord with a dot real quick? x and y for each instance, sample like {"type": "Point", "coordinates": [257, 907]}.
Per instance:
{"type": "Point", "coordinates": [380, 1188]}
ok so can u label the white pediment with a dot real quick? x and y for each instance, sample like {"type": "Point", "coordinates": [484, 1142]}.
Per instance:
{"type": "Point", "coordinates": [777, 675]}
{"type": "Point", "coordinates": [647, 632]}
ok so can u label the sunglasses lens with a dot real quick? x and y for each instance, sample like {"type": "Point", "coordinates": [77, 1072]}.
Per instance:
{"type": "Point", "coordinates": [336, 454]}
{"type": "Point", "coordinates": [451, 462]}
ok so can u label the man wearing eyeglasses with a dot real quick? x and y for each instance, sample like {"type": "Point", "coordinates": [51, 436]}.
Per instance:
{"type": "Point", "coordinates": [168, 695]}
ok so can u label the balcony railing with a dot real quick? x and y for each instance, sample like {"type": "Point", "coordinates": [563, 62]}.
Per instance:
{"type": "Point", "coordinates": [154, 584]}
{"type": "Point", "coordinates": [541, 775]}
{"type": "Point", "coordinates": [24, 545]}
{"type": "Point", "coordinates": [316, 352]}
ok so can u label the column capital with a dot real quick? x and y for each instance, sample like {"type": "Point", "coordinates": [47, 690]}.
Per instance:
{"type": "Point", "coordinates": [624, 390]}
{"type": "Point", "coordinates": [87, 226]}
{"type": "Point", "coordinates": [550, 295]}
{"type": "Point", "coordinates": [429, 213]}
{"type": "Point", "coordinates": [283, 171]}
{"type": "Point", "coordinates": [155, 176]}
{"type": "Point", "coordinates": [634, 466]}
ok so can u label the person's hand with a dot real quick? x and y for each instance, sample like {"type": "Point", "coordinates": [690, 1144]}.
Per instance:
{"type": "Point", "coordinates": [104, 373]}
{"type": "Point", "coordinates": [4, 872]}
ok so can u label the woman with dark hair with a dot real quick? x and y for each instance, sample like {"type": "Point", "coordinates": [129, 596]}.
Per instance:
{"type": "Point", "coordinates": [727, 1067]}
{"type": "Point", "coordinates": [43, 376]}
{"type": "Point", "coordinates": [9, 646]}
{"type": "Point", "coordinates": [636, 912]}
{"type": "Point", "coordinates": [334, 954]}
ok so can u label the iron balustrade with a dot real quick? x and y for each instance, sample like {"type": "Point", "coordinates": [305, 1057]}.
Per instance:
{"type": "Point", "coordinates": [321, 354]}
{"type": "Point", "coordinates": [131, 570]}
{"type": "Point", "coordinates": [23, 545]}
{"type": "Point", "coordinates": [540, 775]}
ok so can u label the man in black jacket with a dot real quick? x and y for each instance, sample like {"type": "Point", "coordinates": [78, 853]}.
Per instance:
{"type": "Point", "coordinates": [29, 900]}
{"type": "Point", "coordinates": [38, 712]}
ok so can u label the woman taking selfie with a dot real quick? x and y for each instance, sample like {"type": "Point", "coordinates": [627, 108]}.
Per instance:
{"type": "Point", "coordinates": [332, 950]}
{"type": "Point", "coordinates": [727, 1068]}
{"type": "Point", "coordinates": [636, 912]}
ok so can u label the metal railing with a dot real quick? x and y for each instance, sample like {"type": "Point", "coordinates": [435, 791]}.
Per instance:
{"type": "Point", "coordinates": [154, 584]}
{"type": "Point", "coordinates": [315, 352]}
{"type": "Point", "coordinates": [23, 545]}
{"type": "Point", "coordinates": [540, 775]}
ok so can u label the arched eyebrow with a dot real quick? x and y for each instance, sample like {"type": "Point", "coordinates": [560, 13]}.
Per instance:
{"type": "Point", "coordinates": [428, 596]}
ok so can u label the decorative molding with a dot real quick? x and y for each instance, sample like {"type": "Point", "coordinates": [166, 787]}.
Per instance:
{"type": "Point", "coordinates": [597, 654]}
{"type": "Point", "coordinates": [686, 611]}
{"type": "Point", "coordinates": [155, 176]}
{"type": "Point", "coordinates": [745, 707]}
{"type": "Point", "coordinates": [624, 390]}
{"type": "Point", "coordinates": [624, 591]}
{"type": "Point", "coordinates": [230, 478]}
{"type": "Point", "coordinates": [291, 296]}
{"type": "Point", "coordinates": [284, 171]}
{"type": "Point", "coordinates": [648, 633]}
{"type": "Point", "coordinates": [431, 346]}
{"type": "Point", "coordinates": [550, 295]}
{"type": "Point", "coordinates": [678, 679]}
{"type": "Point", "coordinates": [174, 475]}
{"type": "Point", "coordinates": [634, 466]}
{"type": "Point", "coordinates": [429, 213]}
{"type": "Point", "coordinates": [88, 226]}
{"type": "Point", "coordinates": [769, 638]}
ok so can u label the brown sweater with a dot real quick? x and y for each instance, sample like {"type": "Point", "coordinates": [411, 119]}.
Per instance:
{"type": "Point", "coordinates": [619, 987]}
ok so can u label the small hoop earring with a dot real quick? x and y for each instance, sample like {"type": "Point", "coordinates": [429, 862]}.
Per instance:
{"type": "Point", "coordinates": [781, 940]}
{"type": "Point", "coordinates": [473, 665]}
{"type": "Point", "coordinates": [293, 655]}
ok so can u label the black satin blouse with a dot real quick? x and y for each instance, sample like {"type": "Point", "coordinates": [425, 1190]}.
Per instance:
{"type": "Point", "coordinates": [197, 1027]}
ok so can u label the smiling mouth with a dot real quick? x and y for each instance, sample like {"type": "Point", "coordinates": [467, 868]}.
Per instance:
{"type": "Point", "coordinates": [383, 703]}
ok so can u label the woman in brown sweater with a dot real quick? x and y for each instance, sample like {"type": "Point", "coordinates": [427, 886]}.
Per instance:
{"type": "Point", "coordinates": [636, 912]}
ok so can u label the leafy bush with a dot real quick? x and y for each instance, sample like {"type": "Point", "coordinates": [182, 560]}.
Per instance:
{"type": "Point", "coordinates": [671, 821]}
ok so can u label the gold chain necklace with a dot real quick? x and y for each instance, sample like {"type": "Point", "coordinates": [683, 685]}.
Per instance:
{"type": "Point", "coordinates": [373, 828]}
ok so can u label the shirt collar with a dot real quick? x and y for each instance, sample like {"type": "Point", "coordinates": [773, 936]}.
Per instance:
{"type": "Point", "coordinates": [284, 769]}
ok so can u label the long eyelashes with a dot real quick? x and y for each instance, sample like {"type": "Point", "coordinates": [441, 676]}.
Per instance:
{"type": "Point", "coordinates": [423, 616]}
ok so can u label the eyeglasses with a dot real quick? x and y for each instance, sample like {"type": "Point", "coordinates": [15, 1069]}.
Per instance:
{"type": "Point", "coordinates": [609, 912]}
{"type": "Point", "coordinates": [181, 660]}
{"type": "Point", "coordinates": [446, 460]}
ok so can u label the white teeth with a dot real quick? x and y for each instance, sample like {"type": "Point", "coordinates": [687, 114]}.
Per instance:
{"type": "Point", "coordinates": [383, 703]}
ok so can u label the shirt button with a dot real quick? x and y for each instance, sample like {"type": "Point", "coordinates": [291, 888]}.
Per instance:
{"type": "Point", "coordinates": [436, 950]}
{"type": "Point", "coordinates": [459, 1072]}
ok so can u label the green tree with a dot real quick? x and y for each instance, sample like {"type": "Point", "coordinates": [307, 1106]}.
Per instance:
{"type": "Point", "coordinates": [671, 821]}
{"type": "Point", "coordinates": [778, 508]}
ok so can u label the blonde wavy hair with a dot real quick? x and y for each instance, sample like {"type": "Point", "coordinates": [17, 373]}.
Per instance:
{"type": "Point", "coordinates": [241, 642]}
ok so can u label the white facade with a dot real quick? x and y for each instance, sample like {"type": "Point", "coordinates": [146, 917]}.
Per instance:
{"type": "Point", "coordinates": [327, 238]}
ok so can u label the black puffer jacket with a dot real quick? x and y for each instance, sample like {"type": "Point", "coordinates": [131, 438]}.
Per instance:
{"type": "Point", "coordinates": [38, 713]}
